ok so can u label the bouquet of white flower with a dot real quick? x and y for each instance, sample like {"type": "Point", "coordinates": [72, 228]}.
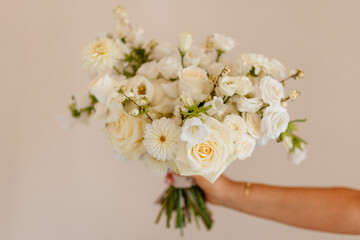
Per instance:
{"type": "Point", "coordinates": [185, 112]}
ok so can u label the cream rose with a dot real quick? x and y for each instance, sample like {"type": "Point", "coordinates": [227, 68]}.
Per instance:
{"type": "Point", "coordinates": [126, 135]}
{"type": "Point", "coordinates": [244, 147]}
{"type": "Point", "coordinates": [237, 124]}
{"type": "Point", "coordinates": [149, 70]}
{"type": "Point", "coordinates": [169, 67]}
{"type": "Point", "coordinates": [275, 121]}
{"type": "Point", "coordinates": [228, 85]}
{"type": "Point", "coordinates": [271, 90]}
{"type": "Point", "coordinates": [209, 158]}
{"type": "Point", "coordinates": [253, 122]}
{"type": "Point", "coordinates": [194, 80]}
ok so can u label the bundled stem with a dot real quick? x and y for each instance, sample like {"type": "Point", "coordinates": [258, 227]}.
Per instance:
{"type": "Point", "coordinates": [187, 203]}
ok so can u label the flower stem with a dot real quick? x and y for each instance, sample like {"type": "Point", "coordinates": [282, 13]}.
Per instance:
{"type": "Point", "coordinates": [136, 105]}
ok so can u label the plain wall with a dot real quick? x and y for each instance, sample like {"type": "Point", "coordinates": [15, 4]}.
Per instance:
{"type": "Point", "coordinates": [56, 184]}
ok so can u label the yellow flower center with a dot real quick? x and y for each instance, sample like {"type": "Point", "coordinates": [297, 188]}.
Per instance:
{"type": "Point", "coordinates": [162, 139]}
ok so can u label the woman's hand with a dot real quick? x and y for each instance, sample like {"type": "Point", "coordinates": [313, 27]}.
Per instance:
{"type": "Point", "coordinates": [217, 192]}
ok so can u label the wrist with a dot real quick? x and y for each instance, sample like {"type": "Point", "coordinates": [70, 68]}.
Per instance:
{"type": "Point", "coordinates": [233, 194]}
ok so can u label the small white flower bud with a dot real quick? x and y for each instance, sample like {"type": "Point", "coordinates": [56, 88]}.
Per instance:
{"type": "Point", "coordinates": [292, 72]}
{"type": "Point", "coordinates": [142, 102]}
{"type": "Point", "coordinates": [293, 94]}
{"type": "Point", "coordinates": [129, 94]}
{"type": "Point", "coordinates": [284, 104]}
{"type": "Point", "coordinates": [301, 75]}
{"type": "Point", "coordinates": [134, 112]}
{"type": "Point", "coordinates": [185, 41]}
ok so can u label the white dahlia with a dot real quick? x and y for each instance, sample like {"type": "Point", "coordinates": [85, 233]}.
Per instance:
{"type": "Point", "coordinates": [101, 55]}
{"type": "Point", "coordinates": [161, 139]}
{"type": "Point", "coordinates": [157, 167]}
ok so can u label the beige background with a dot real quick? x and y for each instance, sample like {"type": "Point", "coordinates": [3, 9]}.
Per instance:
{"type": "Point", "coordinates": [57, 185]}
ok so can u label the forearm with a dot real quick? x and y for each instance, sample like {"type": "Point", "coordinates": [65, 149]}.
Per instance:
{"type": "Point", "coordinates": [333, 209]}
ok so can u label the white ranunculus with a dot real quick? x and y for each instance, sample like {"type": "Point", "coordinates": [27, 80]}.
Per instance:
{"type": "Point", "coordinates": [193, 56]}
{"type": "Point", "coordinates": [149, 70]}
{"type": "Point", "coordinates": [237, 124]}
{"type": "Point", "coordinates": [194, 131]}
{"type": "Point", "coordinates": [277, 70]}
{"type": "Point", "coordinates": [275, 121]}
{"type": "Point", "coordinates": [249, 103]}
{"type": "Point", "coordinates": [298, 155]}
{"type": "Point", "coordinates": [253, 122]}
{"type": "Point", "coordinates": [271, 90]}
{"type": "Point", "coordinates": [169, 67]}
{"type": "Point", "coordinates": [244, 85]}
{"type": "Point", "coordinates": [244, 147]}
{"type": "Point", "coordinates": [185, 41]}
{"type": "Point", "coordinates": [209, 158]}
{"type": "Point", "coordinates": [101, 87]}
{"type": "Point", "coordinates": [228, 85]}
{"type": "Point", "coordinates": [217, 106]}
{"type": "Point", "coordinates": [223, 43]}
{"type": "Point", "coordinates": [141, 87]}
{"type": "Point", "coordinates": [126, 135]}
{"type": "Point", "coordinates": [161, 50]}
{"type": "Point", "coordinates": [194, 80]}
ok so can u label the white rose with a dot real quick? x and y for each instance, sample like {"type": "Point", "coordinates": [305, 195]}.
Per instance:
{"type": "Point", "coordinates": [171, 89]}
{"type": "Point", "coordinates": [223, 43]}
{"type": "Point", "coordinates": [161, 50]}
{"type": "Point", "coordinates": [141, 87]}
{"type": "Point", "coordinates": [193, 56]}
{"type": "Point", "coordinates": [275, 121]}
{"type": "Point", "coordinates": [101, 87]}
{"type": "Point", "coordinates": [149, 70]}
{"type": "Point", "coordinates": [253, 122]}
{"type": "Point", "coordinates": [126, 135]}
{"type": "Point", "coordinates": [252, 61]}
{"type": "Point", "coordinates": [271, 90]}
{"type": "Point", "coordinates": [228, 85]}
{"type": "Point", "coordinates": [249, 103]}
{"type": "Point", "coordinates": [298, 155]}
{"type": "Point", "coordinates": [209, 158]}
{"type": "Point", "coordinates": [217, 106]}
{"type": "Point", "coordinates": [244, 85]}
{"type": "Point", "coordinates": [194, 80]}
{"type": "Point", "coordinates": [207, 59]}
{"type": "Point", "coordinates": [216, 68]}
{"type": "Point", "coordinates": [161, 102]}
{"type": "Point", "coordinates": [237, 124]}
{"type": "Point", "coordinates": [185, 41]}
{"type": "Point", "coordinates": [169, 67]}
{"type": "Point", "coordinates": [277, 70]}
{"type": "Point", "coordinates": [194, 131]}
{"type": "Point", "coordinates": [244, 147]}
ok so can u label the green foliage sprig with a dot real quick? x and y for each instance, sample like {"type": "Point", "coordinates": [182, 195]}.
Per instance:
{"type": "Point", "coordinates": [295, 139]}
{"type": "Point", "coordinates": [76, 113]}
{"type": "Point", "coordinates": [135, 59]}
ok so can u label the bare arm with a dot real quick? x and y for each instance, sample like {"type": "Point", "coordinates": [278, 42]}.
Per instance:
{"type": "Point", "coordinates": [334, 210]}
